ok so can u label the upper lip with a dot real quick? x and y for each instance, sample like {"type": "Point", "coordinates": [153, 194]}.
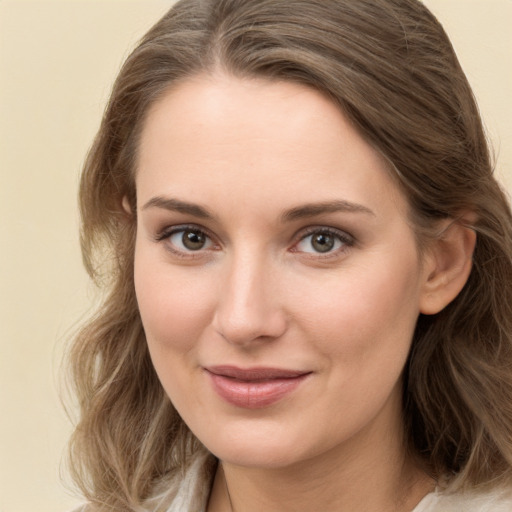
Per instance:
{"type": "Point", "coordinates": [255, 373]}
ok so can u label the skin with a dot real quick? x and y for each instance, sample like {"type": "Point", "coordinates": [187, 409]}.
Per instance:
{"type": "Point", "coordinates": [258, 292]}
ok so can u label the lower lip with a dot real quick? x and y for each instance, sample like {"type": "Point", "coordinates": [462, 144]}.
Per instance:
{"type": "Point", "coordinates": [254, 394]}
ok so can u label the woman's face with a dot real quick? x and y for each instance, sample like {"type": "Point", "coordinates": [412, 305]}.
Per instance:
{"type": "Point", "coordinates": [276, 272]}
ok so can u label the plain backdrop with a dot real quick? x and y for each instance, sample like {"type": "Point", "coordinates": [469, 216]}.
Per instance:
{"type": "Point", "coordinates": [57, 62]}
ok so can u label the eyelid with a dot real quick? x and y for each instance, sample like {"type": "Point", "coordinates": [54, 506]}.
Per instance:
{"type": "Point", "coordinates": [171, 229]}
{"type": "Point", "coordinates": [347, 240]}
{"type": "Point", "coordinates": [163, 235]}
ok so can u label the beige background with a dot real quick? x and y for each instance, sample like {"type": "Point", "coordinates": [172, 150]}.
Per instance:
{"type": "Point", "coordinates": [57, 61]}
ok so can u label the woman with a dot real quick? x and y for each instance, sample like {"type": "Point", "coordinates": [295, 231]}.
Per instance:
{"type": "Point", "coordinates": [307, 260]}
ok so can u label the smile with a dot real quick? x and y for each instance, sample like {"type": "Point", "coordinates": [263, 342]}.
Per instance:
{"type": "Point", "coordinates": [254, 388]}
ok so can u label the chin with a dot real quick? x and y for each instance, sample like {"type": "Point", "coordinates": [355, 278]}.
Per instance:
{"type": "Point", "coordinates": [256, 446]}
{"type": "Point", "coordinates": [259, 457]}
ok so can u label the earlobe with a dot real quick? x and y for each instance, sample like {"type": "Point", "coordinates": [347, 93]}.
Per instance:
{"type": "Point", "coordinates": [447, 266]}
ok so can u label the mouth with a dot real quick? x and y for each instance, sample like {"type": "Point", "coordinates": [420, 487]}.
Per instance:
{"type": "Point", "coordinates": [254, 388]}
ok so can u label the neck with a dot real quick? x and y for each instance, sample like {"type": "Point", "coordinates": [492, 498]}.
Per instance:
{"type": "Point", "coordinates": [370, 473]}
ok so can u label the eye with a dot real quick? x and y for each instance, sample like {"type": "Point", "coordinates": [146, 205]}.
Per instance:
{"type": "Point", "coordinates": [186, 239]}
{"type": "Point", "coordinates": [323, 241]}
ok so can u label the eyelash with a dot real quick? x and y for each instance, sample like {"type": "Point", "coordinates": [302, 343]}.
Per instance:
{"type": "Point", "coordinates": [166, 234]}
{"type": "Point", "coordinates": [347, 241]}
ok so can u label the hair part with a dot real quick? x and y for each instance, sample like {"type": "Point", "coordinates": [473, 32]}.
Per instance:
{"type": "Point", "coordinates": [390, 68]}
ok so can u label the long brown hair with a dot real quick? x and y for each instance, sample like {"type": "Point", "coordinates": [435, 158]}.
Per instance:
{"type": "Point", "coordinates": [391, 69]}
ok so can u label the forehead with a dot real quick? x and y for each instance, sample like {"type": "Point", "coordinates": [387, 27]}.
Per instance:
{"type": "Point", "coordinates": [252, 138]}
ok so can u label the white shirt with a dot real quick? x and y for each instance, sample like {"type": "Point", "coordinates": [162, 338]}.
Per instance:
{"type": "Point", "coordinates": [471, 502]}
{"type": "Point", "coordinates": [191, 492]}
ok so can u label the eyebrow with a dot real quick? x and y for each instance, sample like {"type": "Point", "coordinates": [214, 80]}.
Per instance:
{"type": "Point", "coordinates": [314, 209]}
{"type": "Point", "coordinates": [175, 205]}
{"type": "Point", "coordinates": [296, 213]}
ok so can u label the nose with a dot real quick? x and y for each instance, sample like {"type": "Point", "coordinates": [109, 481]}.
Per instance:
{"type": "Point", "coordinates": [248, 308]}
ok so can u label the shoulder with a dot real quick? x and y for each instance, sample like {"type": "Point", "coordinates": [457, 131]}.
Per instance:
{"type": "Point", "coordinates": [187, 490]}
{"type": "Point", "coordinates": [492, 501]}
{"type": "Point", "coordinates": [191, 489]}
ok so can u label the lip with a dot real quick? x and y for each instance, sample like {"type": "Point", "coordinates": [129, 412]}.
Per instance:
{"type": "Point", "coordinates": [254, 388]}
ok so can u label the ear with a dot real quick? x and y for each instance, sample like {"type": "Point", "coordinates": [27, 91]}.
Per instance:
{"type": "Point", "coordinates": [447, 265]}
{"type": "Point", "coordinates": [126, 205]}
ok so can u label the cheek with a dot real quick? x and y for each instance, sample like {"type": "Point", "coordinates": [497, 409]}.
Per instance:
{"type": "Point", "coordinates": [369, 311]}
{"type": "Point", "coordinates": [174, 308]}
{"type": "Point", "coordinates": [174, 305]}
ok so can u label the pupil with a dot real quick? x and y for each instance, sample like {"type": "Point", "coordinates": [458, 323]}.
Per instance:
{"type": "Point", "coordinates": [323, 242]}
{"type": "Point", "coordinates": [193, 240]}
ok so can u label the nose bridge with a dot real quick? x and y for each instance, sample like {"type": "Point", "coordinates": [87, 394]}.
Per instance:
{"type": "Point", "coordinates": [247, 308]}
